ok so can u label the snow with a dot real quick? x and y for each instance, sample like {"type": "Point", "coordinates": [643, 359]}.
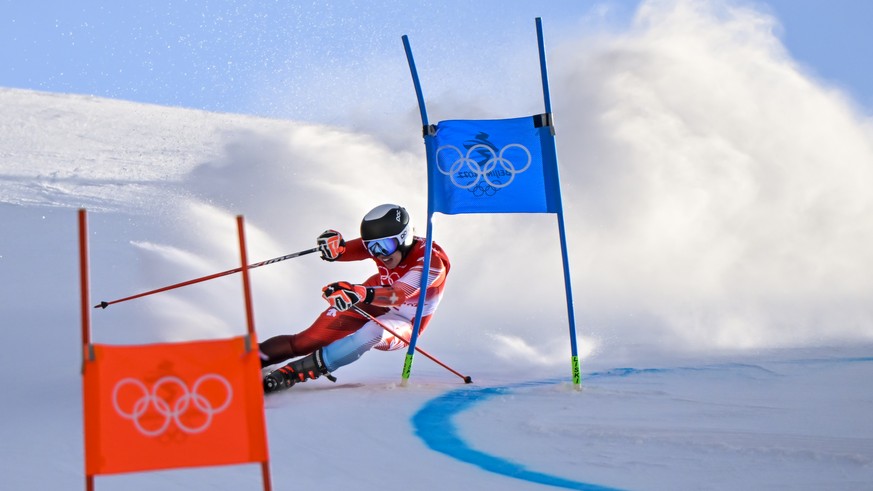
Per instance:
{"type": "Point", "coordinates": [721, 278]}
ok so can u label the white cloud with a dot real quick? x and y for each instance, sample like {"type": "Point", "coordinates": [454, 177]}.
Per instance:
{"type": "Point", "coordinates": [716, 186]}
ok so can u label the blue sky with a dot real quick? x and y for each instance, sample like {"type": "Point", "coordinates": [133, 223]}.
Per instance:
{"type": "Point", "coordinates": [271, 58]}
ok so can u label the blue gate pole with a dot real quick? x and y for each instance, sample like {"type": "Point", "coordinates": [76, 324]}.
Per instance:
{"type": "Point", "coordinates": [425, 274]}
{"type": "Point", "coordinates": [571, 316]}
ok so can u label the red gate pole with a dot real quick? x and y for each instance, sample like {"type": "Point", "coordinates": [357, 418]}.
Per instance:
{"type": "Point", "coordinates": [86, 310]}
{"type": "Point", "coordinates": [250, 320]}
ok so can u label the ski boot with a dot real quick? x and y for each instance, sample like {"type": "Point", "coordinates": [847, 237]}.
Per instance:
{"type": "Point", "coordinates": [310, 367]}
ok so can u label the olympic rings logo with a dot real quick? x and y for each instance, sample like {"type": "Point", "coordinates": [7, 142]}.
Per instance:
{"type": "Point", "coordinates": [387, 277]}
{"type": "Point", "coordinates": [191, 411]}
{"type": "Point", "coordinates": [495, 167]}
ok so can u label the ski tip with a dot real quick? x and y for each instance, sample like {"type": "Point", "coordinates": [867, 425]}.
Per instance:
{"type": "Point", "coordinates": [468, 380]}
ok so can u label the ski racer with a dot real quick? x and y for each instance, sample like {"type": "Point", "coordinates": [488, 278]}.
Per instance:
{"type": "Point", "coordinates": [340, 335]}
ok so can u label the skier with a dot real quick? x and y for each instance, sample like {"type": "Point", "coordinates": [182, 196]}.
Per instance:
{"type": "Point", "coordinates": [340, 335]}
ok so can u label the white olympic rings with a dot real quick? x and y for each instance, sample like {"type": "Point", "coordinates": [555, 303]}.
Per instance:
{"type": "Point", "coordinates": [180, 406]}
{"type": "Point", "coordinates": [484, 171]}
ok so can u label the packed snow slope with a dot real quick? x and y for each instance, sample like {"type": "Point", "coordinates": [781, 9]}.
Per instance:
{"type": "Point", "coordinates": [718, 213]}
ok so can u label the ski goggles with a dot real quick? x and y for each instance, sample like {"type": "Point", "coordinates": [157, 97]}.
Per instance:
{"type": "Point", "coordinates": [383, 247]}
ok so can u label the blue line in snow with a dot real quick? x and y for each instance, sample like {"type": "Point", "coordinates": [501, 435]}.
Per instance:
{"type": "Point", "coordinates": [433, 424]}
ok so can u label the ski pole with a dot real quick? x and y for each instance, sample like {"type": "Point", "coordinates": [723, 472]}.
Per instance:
{"type": "Point", "coordinates": [105, 304]}
{"type": "Point", "coordinates": [465, 378]}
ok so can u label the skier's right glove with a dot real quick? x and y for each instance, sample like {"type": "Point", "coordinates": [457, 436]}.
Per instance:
{"type": "Point", "coordinates": [331, 245]}
{"type": "Point", "coordinates": [342, 295]}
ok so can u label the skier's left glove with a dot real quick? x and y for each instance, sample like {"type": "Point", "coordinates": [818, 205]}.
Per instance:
{"type": "Point", "coordinates": [342, 295]}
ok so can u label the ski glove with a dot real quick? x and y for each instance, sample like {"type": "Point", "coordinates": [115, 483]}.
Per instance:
{"type": "Point", "coordinates": [342, 295]}
{"type": "Point", "coordinates": [331, 245]}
